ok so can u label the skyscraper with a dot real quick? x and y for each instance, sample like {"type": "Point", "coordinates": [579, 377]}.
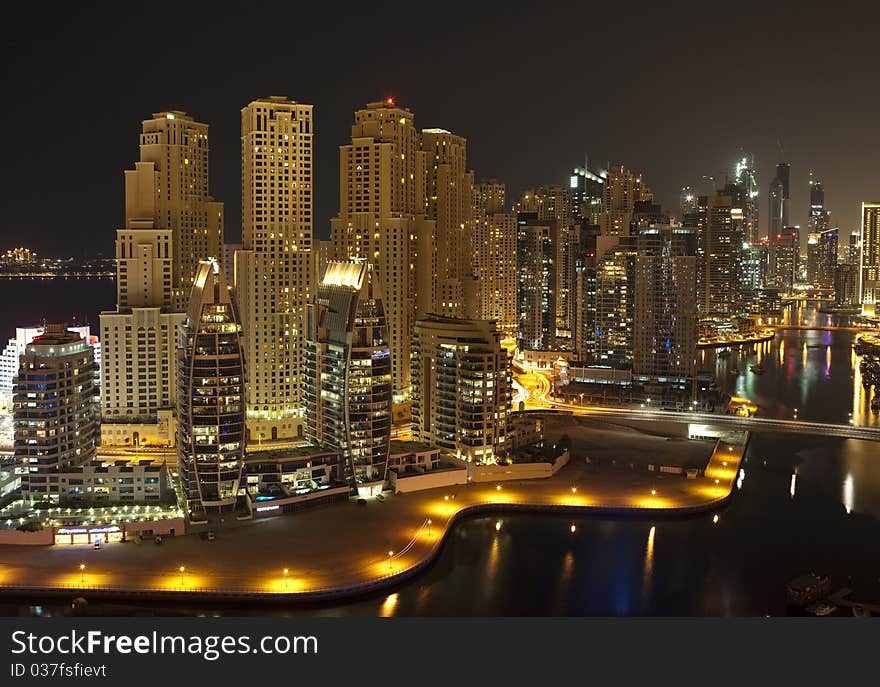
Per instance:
{"type": "Point", "coordinates": [274, 270]}
{"type": "Point", "coordinates": [171, 222]}
{"type": "Point", "coordinates": [450, 204]}
{"type": "Point", "coordinates": [665, 322]}
{"type": "Point", "coordinates": [382, 220]}
{"type": "Point", "coordinates": [210, 396]}
{"type": "Point", "coordinates": [622, 190]}
{"type": "Point", "coordinates": [461, 387]}
{"type": "Point", "coordinates": [778, 207]}
{"type": "Point", "coordinates": [869, 266]}
{"type": "Point", "coordinates": [348, 373]}
{"type": "Point", "coordinates": [139, 338]}
{"type": "Point", "coordinates": [551, 205]}
{"type": "Point", "coordinates": [536, 282]}
{"type": "Point", "coordinates": [169, 187]}
{"type": "Point", "coordinates": [55, 407]}
{"type": "Point", "coordinates": [587, 192]}
{"type": "Point", "coordinates": [746, 181]}
{"type": "Point", "coordinates": [615, 301]}
{"type": "Point", "coordinates": [495, 257]}
{"type": "Point", "coordinates": [719, 225]}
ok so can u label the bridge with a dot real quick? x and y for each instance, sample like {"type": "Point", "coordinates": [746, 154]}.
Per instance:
{"type": "Point", "coordinates": [823, 328]}
{"type": "Point", "coordinates": [537, 386]}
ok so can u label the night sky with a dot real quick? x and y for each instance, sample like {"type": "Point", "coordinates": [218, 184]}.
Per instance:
{"type": "Point", "coordinates": [673, 90]}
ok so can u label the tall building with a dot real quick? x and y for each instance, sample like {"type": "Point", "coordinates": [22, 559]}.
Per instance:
{"type": "Point", "coordinates": [382, 220]}
{"type": "Point", "coordinates": [820, 271]}
{"type": "Point", "coordinates": [665, 321]}
{"type": "Point", "coordinates": [869, 261]}
{"type": "Point", "coordinates": [786, 258]}
{"type": "Point", "coordinates": [171, 222]}
{"type": "Point", "coordinates": [169, 190]}
{"type": "Point", "coordinates": [138, 363]}
{"type": "Point", "coordinates": [536, 282]}
{"type": "Point", "coordinates": [587, 193]}
{"type": "Point", "coordinates": [817, 218]}
{"type": "Point", "coordinates": [719, 226]}
{"type": "Point", "coordinates": [778, 212]}
{"type": "Point", "coordinates": [461, 387]}
{"type": "Point", "coordinates": [449, 190]}
{"type": "Point", "coordinates": [348, 373]}
{"type": "Point", "coordinates": [210, 396]}
{"type": "Point", "coordinates": [622, 189]}
{"type": "Point", "coordinates": [584, 302]}
{"type": "Point", "coordinates": [551, 205]}
{"type": "Point", "coordinates": [846, 282]}
{"type": "Point", "coordinates": [495, 257]}
{"type": "Point", "coordinates": [746, 181]}
{"type": "Point", "coordinates": [274, 270]}
{"type": "Point", "coordinates": [55, 407]}
{"type": "Point", "coordinates": [9, 358]}
{"type": "Point", "coordinates": [615, 301]}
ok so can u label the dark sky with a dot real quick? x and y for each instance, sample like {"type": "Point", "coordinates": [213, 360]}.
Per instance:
{"type": "Point", "coordinates": [674, 90]}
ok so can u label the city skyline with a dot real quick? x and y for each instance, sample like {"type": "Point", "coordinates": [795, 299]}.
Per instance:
{"type": "Point", "coordinates": [489, 114]}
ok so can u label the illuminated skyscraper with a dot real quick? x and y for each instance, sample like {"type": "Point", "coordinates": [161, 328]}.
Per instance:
{"type": "Point", "coordinates": [778, 208]}
{"type": "Point", "coordinates": [746, 182]}
{"type": "Point", "coordinates": [168, 189]}
{"type": "Point", "coordinates": [495, 257]}
{"type": "Point", "coordinates": [55, 407]}
{"type": "Point", "coordinates": [274, 271]}
{"type": "Point", "coordinates": [869, 267]}
{"type": "Point", "coordinates": [615, 301]}
{"type": "Point", "coordinates": [587, 189]}
{"type": "Point", "coordinates": [171, 222]}
{"type": "Point", "coordinates": [461, 387]}
{"type": "Point", "coordinates": [719, 225]}
{"type": "Point", "coordinates": [449, 190]}
{"type": "Point", "coordinates": [348, 373]}
{"type": "Point", "coordinates": [210, 396]}
{"type": "Point", "coordinates": [536, 282]}
{"type": "Point", "coordinates": [665, 321]}
{"type": "Point", "coordinates": [382, 220]}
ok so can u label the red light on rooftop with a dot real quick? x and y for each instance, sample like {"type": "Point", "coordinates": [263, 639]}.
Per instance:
{"type": "Point", "coordinates": [389, 101]}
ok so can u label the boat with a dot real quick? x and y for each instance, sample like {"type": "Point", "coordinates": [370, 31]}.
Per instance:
{"type": "Point", "coordinates": [820, 609]}
{"type": "Point", "coordinates": [757, 369]}
{"type": "Point", "coordinates": [807, 589]}
{"type": "Point", "coordinates": [734, 372]}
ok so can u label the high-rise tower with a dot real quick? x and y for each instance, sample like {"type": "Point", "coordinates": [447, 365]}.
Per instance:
{"type": "Point", "coordinates": [274, 271]}
{"type": "Point", "coordinates": [210, 396]}
{"type": "Point", "coordinates": [348, 373]}
{"type": "Point", "coordinates": [382, 220]}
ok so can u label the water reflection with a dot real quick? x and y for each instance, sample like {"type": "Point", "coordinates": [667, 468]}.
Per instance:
{"type": "Point", "coordinates": [815, 371]}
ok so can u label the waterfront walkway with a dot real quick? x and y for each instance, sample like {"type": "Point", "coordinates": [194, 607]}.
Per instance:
{"type": "Point", "coordinates": [347, 548]}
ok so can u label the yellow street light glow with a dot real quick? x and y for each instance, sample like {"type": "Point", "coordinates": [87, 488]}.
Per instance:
{"type": "Point", "coordinates": [574, 490]}
{"type": "Point", "coordinates": [715, 519]}
{"type": "Point", "coordinates": [573, 529]}
{"type": "Point", "coordinates": [497, 487]}
{"type": "Point", "coordinates": [498, 526]}
{"type": "Point", "coordinates": [653, 492]}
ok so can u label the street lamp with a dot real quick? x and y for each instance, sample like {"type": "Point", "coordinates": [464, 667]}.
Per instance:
{"type": "Point", "coordinates": [573, 529]}
{"type": "Point", "coordinates": [497, 487]}
{"type": "Point", "coordinates": [82, 574]}
{"type": "Point", "coordinates": [429, 527]}
{"type": "Point", "coordinates": [390, 555]}
{"type": "Point", "coordinates": [285, 579]}
{"type": "Point", "coordinates": [653, 492]}
{"type": "Point", "coordinates": [182, 569]}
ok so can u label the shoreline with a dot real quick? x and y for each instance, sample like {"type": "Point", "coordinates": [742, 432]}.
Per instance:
{"type": "Point", "coordinates": [700, 497]}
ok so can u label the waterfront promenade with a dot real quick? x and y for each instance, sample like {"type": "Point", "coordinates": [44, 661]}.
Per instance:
{"type": "Point", "coordinates": [347, 548]}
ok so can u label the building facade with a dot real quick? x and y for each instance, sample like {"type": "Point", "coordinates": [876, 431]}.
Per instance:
{"type": "Point", "coordinates": [274, 271]}
{"type": "Point", "coordinates": [495, 257]}
{"type": "Point", "coordinates": [348, 373]}
{"type": "Point", "coordinates": [665, 321]}
{"type": "Point", "coordinates": [210, 396]}
{"type": "Point", "coordinates": [461, 387]}
{"type": "Point", "coordinates": [869, 257]}
{"type": "Point", "coordinates": [55, 406]}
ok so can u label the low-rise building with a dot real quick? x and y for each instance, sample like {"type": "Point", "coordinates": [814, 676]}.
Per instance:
{"type": "Point", "coordinates": [102, 483]}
